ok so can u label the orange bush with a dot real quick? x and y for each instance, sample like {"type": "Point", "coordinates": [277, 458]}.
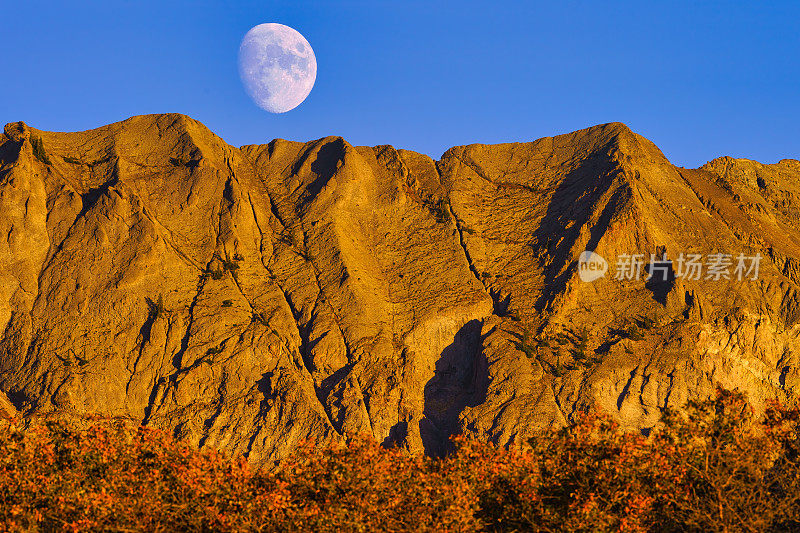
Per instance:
{"type": "Point", "coordinates": [710, 468]}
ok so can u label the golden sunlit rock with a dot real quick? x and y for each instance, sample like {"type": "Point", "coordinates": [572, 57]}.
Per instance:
{"type": "Point", "coordinates": [248, 298]}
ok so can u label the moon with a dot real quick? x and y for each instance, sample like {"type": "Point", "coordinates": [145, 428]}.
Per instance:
{"type": "Point", "coordinates": [277, 66]}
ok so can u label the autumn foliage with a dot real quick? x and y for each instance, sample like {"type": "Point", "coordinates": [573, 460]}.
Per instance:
{"type": "Point", "coordinates": [711, 467]}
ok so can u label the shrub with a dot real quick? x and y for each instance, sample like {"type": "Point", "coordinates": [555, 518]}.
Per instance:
{"type": "Point", "coordinates": [260, 318]}
{"type": "Point", "coordinates": [725, 467]}
{"type": "Point", "coordinates": [100, 161]}
{"type": "Point", "coordinates": [440, 209]}
{"type": "Point", "coordinates": [188, 163]}
{"type": "Point", "coordinates": [155, 307]}
{"type": "Point", "coordinates": [581, 352]}
{"type": "Point", "coordinates": [57, 477]}
{"type": "Point", "coordinates": [215, 350]}
{"type": "Point", "coordinates": [230, 265]}
{"type": "Point", "coordinates": [633, 333]}
{"type": "Point", "coordinates": [213, 274]}
{"type": "Point", "coordinates": [646, 322]}
{"type": "Point", "coordinates": [525, 345]}
{"type": "Point", "coordinates": [712, 467]}
{"type": "Point", "coordinates": [38, 150]}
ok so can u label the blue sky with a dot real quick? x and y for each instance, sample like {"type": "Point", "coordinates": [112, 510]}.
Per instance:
{"type": "Point", "coordinates": [700, 79]}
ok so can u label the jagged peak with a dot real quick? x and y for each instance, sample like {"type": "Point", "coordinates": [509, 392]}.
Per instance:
{"type": "Point", "coordinates": [145, 139]}
{"type": "Point", "coordinates": [727, 161]}
{"type": "Point", "coordinates": [135, 121]}
{"type": "Point", "coordinates": [343, 293]}
{"type": "Point", "coordinates": [613, 139]}
{"type": "Point", "coordinates": [601, 136]}
{"type": "Point", "coordinates": [16, 131]}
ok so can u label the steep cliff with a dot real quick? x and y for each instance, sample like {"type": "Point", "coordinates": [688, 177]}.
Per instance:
{"type": "Point", "coordinates": [247, 298]}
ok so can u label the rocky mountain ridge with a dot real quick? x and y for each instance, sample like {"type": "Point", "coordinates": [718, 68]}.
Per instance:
{"type": "Point", "coordinates": [247, 298]}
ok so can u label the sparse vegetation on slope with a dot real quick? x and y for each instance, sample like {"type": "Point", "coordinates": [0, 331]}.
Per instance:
{"type": "Point", "coordinates": [709, 469]}
{"type": "Point", "coordinates": [38, 150]}
{"type": "Point", "coordinates": [355, 305]}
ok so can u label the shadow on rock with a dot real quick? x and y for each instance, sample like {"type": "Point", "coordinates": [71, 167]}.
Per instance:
{"type": "Point", "coordinates": [460, 381]}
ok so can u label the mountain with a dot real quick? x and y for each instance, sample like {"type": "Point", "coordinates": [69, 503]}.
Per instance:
{"type": "Point", "coordinates": [248, 298]}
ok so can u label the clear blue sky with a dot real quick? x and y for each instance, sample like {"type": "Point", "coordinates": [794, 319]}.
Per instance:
{"type": "Point", "coordinates": [700, 79]}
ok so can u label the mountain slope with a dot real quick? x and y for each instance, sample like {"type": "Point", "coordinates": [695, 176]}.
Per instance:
{"type": "Point", "coordinates": [247, 298]}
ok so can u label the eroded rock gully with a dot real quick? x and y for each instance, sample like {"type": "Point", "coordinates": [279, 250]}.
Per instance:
{"type": "Point", "coordinates": [246, 298]}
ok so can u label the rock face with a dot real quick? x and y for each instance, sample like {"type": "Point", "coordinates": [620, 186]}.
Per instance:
{"type": "Point", "coordinates": [247, 298]}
